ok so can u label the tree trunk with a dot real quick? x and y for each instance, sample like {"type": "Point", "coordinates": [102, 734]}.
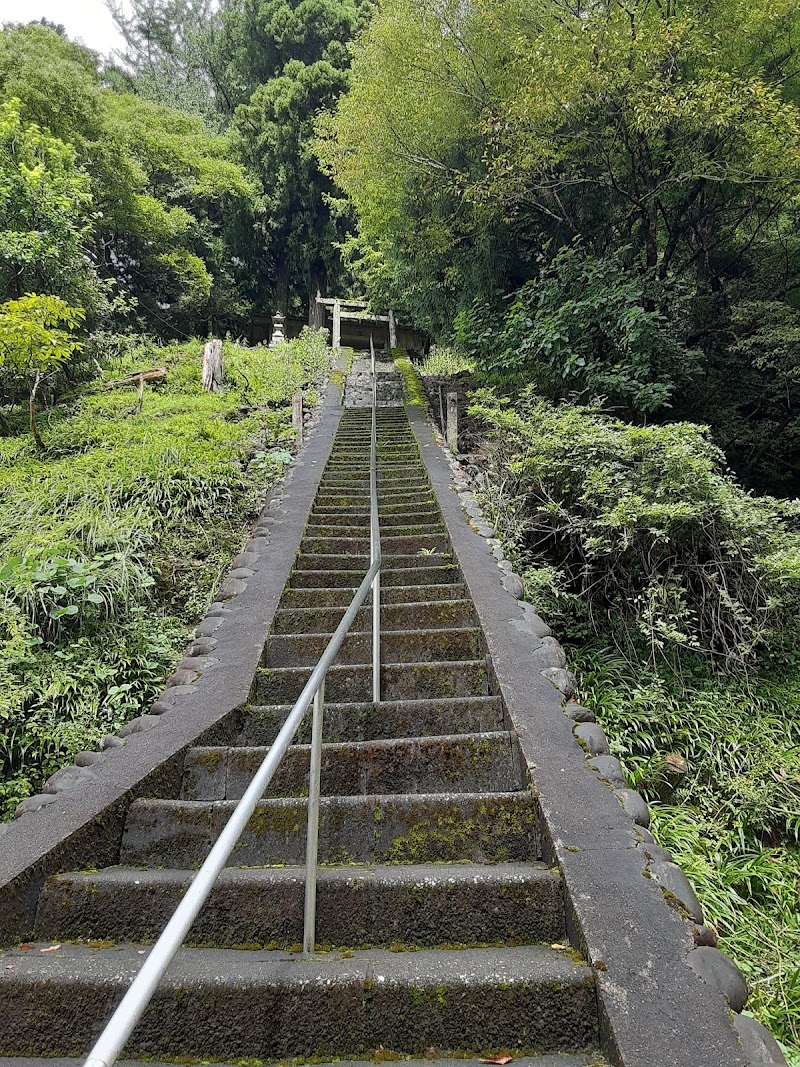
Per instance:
{"type": "Point", "coordinates": [318, 286]}
{"type": "Point", "coordinates": [213, 370]}
{"type": "Point", "coordinates": [32, 413]}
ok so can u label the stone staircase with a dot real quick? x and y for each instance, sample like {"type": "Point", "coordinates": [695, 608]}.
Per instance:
{"type": "Point", "coordinates": [440, 931]}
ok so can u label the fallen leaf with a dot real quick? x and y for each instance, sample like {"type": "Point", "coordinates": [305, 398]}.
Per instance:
{"type": "Point", "coordinates": [24, 948]}
{"type": "Point", "coordinates": [140, 952]}
{"type": "Point", "coordinates": [52, 948]}
{"type": "Point", "coordinates": [558, 946]}
{"type": "Point", "coordinates": [501, 1060]}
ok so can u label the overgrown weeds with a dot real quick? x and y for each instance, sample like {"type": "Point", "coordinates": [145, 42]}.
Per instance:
{"type": "Point", "coordinates": [732, 821]}
{"type": "Point", "coordinates": [677, 593]}
{"type": "Point", "coordinates": [115, 537]}
{"type": "Point", "coordinates": [646, 530]}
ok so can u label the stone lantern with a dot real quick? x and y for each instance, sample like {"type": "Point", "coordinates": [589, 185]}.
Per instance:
{"type": "Point", "coordinates": [278, 335]}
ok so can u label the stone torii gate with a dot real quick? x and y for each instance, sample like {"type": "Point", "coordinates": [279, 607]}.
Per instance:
{"type": "Point", "coordinates": [355, 311]}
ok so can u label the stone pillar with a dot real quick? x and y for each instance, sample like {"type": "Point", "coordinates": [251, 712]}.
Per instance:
{"type": "Point", "coordinates": [337, 324]}
{"type": "Point", "coordinates": [297, 415]}
{"type": "Point", "coordinates": [452, 421]}
{"type": "Point", "coordinates": [392, 330]}
{"type": "Point", "coordinates": [278, 323]}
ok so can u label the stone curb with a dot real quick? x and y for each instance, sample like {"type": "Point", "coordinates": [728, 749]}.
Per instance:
{"type": "Point", "coordinates": [657, 864]}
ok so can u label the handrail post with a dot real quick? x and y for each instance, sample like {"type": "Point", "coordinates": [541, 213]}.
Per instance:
{"type": "Point", "coordinates": [312, 838]}
{"type": "Point", "coordinates": [375, 537]}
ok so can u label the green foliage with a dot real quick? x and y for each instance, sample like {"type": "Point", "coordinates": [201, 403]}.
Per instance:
{"type": "Point", "coordinates": [647, 528]}
{"type": "Point", "coordinates": [587, 328]}
{"type": "Point", "coordinates": [47, 208]}
{"type": "Point", "coordinates": [138, 194]}
{"type": "Point", "coordinates": [651, 137]}
{"type": "Point", "coordinates": [285, 63]}
{"type": "Point", "coordinates": [445, 362]}
{"type": "Point", "coordinates": [114, 540]}
{"type": "Point", "coordinates": [33, 345]}
{"type": "Point", "coordinates": [32, 342]}
{"type": "Point", "coordinates": [733, 821]}
{"type": "Point", "coordinates": [168, 56]}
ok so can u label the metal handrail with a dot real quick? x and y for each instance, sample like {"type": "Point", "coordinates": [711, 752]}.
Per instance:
{"type": "Point", "coordinates": [120, 1026]}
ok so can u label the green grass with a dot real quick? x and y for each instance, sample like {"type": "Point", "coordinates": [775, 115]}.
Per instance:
{"type": "Point", "coordinates": [724, 695]}
{"type": "Point", "coordinates": [443, 362]}
{"type": "Point", "coordinates": [733, 820]}
{"type": "Point", "coordinates": [114, 539]}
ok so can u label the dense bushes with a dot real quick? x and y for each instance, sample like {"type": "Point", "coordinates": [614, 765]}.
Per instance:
{"type": "Point", "coordinates": [115, 536]}
{"type": "Point", "coordinates": [677, 593]}
{"type": "Point", "coordinates": [645, 529]}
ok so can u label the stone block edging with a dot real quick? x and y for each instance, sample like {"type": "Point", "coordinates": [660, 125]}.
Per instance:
{"type": "Point", "coordinates": [666, 993]}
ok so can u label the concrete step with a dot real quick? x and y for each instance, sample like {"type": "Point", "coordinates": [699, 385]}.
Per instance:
{"type": "Point", "coordinates": [426, 615]}
{"type": "Point", "coordinates": [582, 1059]}
{"type": "Point", "coordinates": [455, 763]}
{"type": "Point", "coordinates": [391, 544]}
{"type": "Point", "coordinates": [428, 571]}
{"type": "Point", "coordinates": [416, 905]}
{"type": "Point", "coordinates": [349, 494]}
{"type": "Point", "coordinates": [393, 478]}
{"type": "Point", "coordinates": [231, 1004]}
{"type": "Point", "coordinates": [397, 646]}
{"type": "Point", "coordinates": [427, 526]}
{"type": "Point", "coordinates": [359, 561]}
{"type": "Point", "coordinates": [357, 519]}
{"type": "Point", "coordinates": [479, 827]}
{"type": "Point", "coordinates": [399, 681]}
{"type": "Point", "coordinates": [341, 596]}
{"type": "Point", "coordinates": [361, 509]}
{"type": "Point", "coordinates": [372, 722]}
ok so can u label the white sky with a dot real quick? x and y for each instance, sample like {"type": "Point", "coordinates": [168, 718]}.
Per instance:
{"type": "Point", "coordinates": [85, 20]}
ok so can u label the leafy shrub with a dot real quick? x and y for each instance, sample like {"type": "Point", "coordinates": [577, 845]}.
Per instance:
{"type": "Point", "coordinates": [586, 329]}
{"type": "Point", "coordinates": [646, 526]}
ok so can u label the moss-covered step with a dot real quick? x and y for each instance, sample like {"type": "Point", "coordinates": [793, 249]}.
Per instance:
{"type": "Point", "coordinates": [425, 572]}
{"type": "Point", "coordinates": [403, 681]}
{"type": "Point", "coordinates": [415, 905]}
{"type": "Point", "coordinates": [397, 646]}
{"type": "Point", "coordinates": [477, 827]}
{"type": "Point", "coordinates": [460, 763]}
{"type": "Point", "coordinates": [338, 596]}
{"type": "Point", "coordinates": [370, 722]}
{"type": "Point", "coordinates": [424, 615]}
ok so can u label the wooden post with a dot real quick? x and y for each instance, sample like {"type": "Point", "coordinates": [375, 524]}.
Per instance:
{"type": "Point", "coordinates": [337, 324]}
{"type": "Point", "coordinates": [213, 370]}
{"type": "Point", "coordinates": [452, 421]}
{"type": "Point", "coordinates": [392, 330]}
{"type": "Point", "coordinates": [297, 415]}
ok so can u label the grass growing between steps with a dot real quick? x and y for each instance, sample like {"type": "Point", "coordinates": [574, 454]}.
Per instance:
{"type": "Point", "coordinates": [114, 537]}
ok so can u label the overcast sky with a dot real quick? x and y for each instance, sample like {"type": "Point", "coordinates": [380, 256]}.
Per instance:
{"type": "Point", "coordinates": [85, 20]}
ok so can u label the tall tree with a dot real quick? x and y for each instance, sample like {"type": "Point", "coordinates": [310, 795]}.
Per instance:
{"type": "Point", "coordinates": [169, 55]}
{"type": "Point", "coordinates": [665, 135]}
{"type": "Point", "coordinates": [169, 215]}
{"type": "Point", "coordinates": [288, 61]}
